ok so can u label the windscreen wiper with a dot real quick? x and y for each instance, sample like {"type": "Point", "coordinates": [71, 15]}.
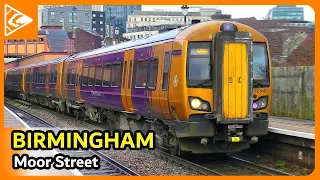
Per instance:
{"type": "Point", "coordinates": [255, 82]}
{"type": "Point", "coordinates": [203, 82]}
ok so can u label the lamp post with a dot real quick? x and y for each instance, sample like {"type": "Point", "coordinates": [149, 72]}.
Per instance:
{"type": "Point", "coordinates": [184, 9]}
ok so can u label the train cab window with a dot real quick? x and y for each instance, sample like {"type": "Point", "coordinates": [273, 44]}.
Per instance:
{"type": "Point", "coordinates": [165, 76]}
{"type": "Point", "coordinates": [68, 76]}
{"type": "Point", "coordinates": [141, 71]}
{"type": "Point", "coordinates": [116, 75]}
{"type": "Point", "coordinates": [199, 64]}
{"type": "Point", "coordinates": [85, 73]}
{"type": "Point", "coordinates": [153, 73]}
{"type": "Point", "coordinates": [106, 75]}
{"type": "Point", "coordinates": [91, 75]}
{"type": "Point", "coordinates": [98, 79]}
{"type": "Point", "coordinates": [73, 76]}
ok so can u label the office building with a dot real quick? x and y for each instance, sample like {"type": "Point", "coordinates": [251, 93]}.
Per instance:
{"type": "Point", "coordinates": [98, 23]}
{"type": "Point", "coordinates": [286, 12]}
{"type": "Point", "coordinates": [116, 16]}
{"type": "Point", "coordinates": [70, 17]}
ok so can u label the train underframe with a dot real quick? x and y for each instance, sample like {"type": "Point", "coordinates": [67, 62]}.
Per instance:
{"type": "Point", "coordinates": [198, 135]}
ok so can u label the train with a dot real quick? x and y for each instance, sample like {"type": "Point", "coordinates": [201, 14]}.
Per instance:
{"type": "Point", "coordinates": [204, 88]}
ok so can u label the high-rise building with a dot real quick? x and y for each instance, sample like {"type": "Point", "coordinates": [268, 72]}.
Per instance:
{"type": "Point", "coordinates": [97, 8]}
{"type": "Point", "coordinates": [286, 12]}
{"type": "Point", "coordinates": [98, 23]}
{"type": "Point", "coordinates": [70, 17]}
{"type": "Point", "coordinates": [116, 16]}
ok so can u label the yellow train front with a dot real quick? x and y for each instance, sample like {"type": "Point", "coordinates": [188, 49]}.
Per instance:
{"type": "Point", "coordinates": [220, 88]}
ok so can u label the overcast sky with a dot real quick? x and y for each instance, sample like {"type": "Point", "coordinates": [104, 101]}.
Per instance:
{"type": "Point", "coordinates": [239, 11]}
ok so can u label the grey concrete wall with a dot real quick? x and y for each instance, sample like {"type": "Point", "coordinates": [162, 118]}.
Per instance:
{"type": "Point", "coordinates": [293, 92]}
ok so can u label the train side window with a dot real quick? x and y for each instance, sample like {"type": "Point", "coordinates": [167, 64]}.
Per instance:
{"type": "Point", "coordinates": [98, 76]}
{"type": "Point", "coordinates": [68, 76]}
{"type": "Point", "coordinates": [51, 77]}
{"type": "Point", "coordinates": [42, 78]}
{"type": "Point", "coordinates": [129, 75]}
{"type": "Point", "coordinates": [106, 75]}
{"type": "Point", "coordinates": [153, 73]}
{"type": "Point", "coordinates": [165, 77]}
{"type": "Point", "coordinates": [124, 74]}
{"type": "Point", "coordinates": [91, 75]}
{"type": "Point", "coordinates": [34, 77]}
{"type": "Point", "coordinates": [141, 70]}
{"type": "Point", "coordinates": [73, 76]}
{"type": "Point", "coordinates": [116, 75]}
{"type": "Point", "coordinates": [55, 77]}
{"type": "Point", "coordinates": [38, 77]}
{"type": "Point", "coordinates": [27, 77]}
{"type": "Point", "coordinates": [85, 73]}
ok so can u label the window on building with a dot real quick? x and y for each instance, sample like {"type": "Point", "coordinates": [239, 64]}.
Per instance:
{"type": "Point", "coordinates": [91, 75]}
{"type": "Point", "coordinates": [153, 71]}
{"type": "Point", "coordinates": [101, 15]}
{"type": "Point", "coordinates": [141, 74]}
{"type": "Point", "coordinates": [98, 76]}
{"type": "Point", "coordinates": [94, 29]}
{"type": "Point", "coordinates": [52, 13]}
{"type": "Point", "coordinates": [106, 75]}
{"type": "Point", "coordinates": [116, 75]}
{"type": "Point", "coordinates": [40, 39]}
{"type": "Point", "coordinates": [93, 15]}
{"type": "Point", "coordinates": [101, 29]}
{"type": "Point", "coordinates": [93, 22]}
{"type": "Point", "coordinates": [85, 73]}
{"type": "Point", "coordinates": [101, 22]}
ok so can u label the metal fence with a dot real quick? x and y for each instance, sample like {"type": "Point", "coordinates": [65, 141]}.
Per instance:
{"type": "Point", "coordinates": [293, 92]}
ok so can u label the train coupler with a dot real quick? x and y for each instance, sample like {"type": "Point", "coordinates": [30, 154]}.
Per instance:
{"type": "Point", "coordinates": [235, 133]}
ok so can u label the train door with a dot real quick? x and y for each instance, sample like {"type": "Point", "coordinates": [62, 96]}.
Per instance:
{"type": "Point", "coordinates": [140, 92]}
{"type": "Point", "coordinates": [129, 57]}
{"type": "Point", "coordinates": [78, 72]}
{"type": "Point", "coordinates": [69, 82]}
{"type": "Point", "coordinates": [124, 81]}
{"type": "Point", "coordinates": [155, 102]}
{"type": "Point", "coordinates": [164, 88]}
{"type": "Point", "coordinates": [232, 73]}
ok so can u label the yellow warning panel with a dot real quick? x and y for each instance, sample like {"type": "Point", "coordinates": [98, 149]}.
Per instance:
{"type": "Point", "coordinates": [235, 81]}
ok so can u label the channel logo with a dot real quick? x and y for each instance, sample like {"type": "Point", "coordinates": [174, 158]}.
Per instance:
{"type": "Point", "coordinates": [14, 20]}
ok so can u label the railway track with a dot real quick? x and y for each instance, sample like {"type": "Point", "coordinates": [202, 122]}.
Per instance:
{"type": "Point", "coordinates": [222, 166]}
{"type": "Point", "coordinates": [108, 166]}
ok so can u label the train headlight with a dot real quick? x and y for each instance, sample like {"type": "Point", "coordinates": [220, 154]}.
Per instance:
{"type": "Point", "coordinates": [261, 103]}
{"type": "Point", "coordinates": [195, 103]}
{"type": "Point", "coordinates": [199, 104]}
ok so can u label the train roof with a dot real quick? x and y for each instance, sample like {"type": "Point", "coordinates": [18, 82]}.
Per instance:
{"type": "Point", "coordinates": [43, 63]}
{"type": "Point", "coordinates": [125, 45]}
{"type": "Point", "coordinates": [200, 32]}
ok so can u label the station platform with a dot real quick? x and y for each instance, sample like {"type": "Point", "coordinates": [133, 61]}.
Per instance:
{"type": "Point", "coordinates": [293, 127]}
{"type": "Point", "coordinates": [11, 120]}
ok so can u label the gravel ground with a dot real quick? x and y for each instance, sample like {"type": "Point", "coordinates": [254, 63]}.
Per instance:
{"type": "Point", "coordinates": [144, 162]}
{"type": "Point", "coordinates": [274, 162]}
